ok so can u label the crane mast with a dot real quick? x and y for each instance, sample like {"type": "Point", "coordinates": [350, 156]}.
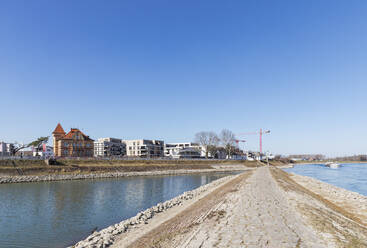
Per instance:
{"type": "Point", "coordinates": [261, 132]}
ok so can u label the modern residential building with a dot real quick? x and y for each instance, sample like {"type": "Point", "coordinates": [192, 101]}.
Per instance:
{"type": "Point", "coordinates": [73, 144]}
{"type": "Point", "coordinates": [6, 149]}
{"type": "Point", "coordinates": [26, 153]}
{"type": "Point", "coordinates": [183, 150]}
{"type": "Point", "coordinates": [144, 148]}
{"type": "Point", "coordinates": [46, 152]}
{"type": "Point", "coordinates": [109, 147]}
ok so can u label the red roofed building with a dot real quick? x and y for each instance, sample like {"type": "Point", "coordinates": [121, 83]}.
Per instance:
{"type": "Point", "coordinates": [73, 144]}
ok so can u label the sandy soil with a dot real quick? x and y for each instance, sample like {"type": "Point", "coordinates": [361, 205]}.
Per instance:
{"type": "Point", "coordinates": [261, 208]}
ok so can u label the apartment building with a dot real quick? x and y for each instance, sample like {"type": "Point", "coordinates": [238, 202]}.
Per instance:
{"type": "Point", "coordinates": [183, 150]}
{"type": "Point", "coordinates": [45, 152]}
{"type": "Point", "coordinates": [144, 148]}
{"type": "Point", "coordinates": [6, 149]}
{"type": "Point", "coordinates": [73, 144]}
{"type": "Point", "coordinates": [109, 147]}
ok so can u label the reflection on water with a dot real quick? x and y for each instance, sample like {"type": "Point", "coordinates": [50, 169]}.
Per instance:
{"type": "Point", "coordinates": [57, 214]}
{"type": "Point", "coordinates": [352, 177]}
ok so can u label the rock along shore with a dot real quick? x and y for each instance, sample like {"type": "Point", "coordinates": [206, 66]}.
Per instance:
{"type": "Point", "coordinates": [352, 201]}
{"type": "Point", "coordinates": [266, 207]}
{"type": "Point", "coordinates": [106, 237]}
{"type": "Point", "coordinates": [45, 178]}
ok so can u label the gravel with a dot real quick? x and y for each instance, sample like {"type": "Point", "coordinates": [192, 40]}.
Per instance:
{"type": "Point", "coordinates": [106, 237]}
{"type": "Point", "coordinates": [45, 178]}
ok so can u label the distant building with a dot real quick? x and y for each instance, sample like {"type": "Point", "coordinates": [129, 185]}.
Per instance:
{"type": "Point", "coordinates": [24, 153]}
{"type": "Point", "coordinates": [45, 152]}
{"type": "Point", "coordinates": [183, 150]}
{"type": "Point", "coordinates": [6, 149]}
{"type": "Point", "coordinates": [109, 147]}
{"type": "Point", "coordinates": [73, 144]}
{"type": "Point", "coordinates": [144, 148]}
{"type": "Point", "coordinates": [220, 153]}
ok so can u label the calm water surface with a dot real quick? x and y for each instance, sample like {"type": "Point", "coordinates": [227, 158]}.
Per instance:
{"type": "Point", "coordinates": [58, 214]}
{"type": "Point", "coordinates": [352, 177]}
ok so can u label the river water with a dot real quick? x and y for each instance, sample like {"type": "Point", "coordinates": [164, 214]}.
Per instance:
{"type": "Point", "coordinates": [58, 214]}
{"type": "Point", "coordinates": [352, 177]}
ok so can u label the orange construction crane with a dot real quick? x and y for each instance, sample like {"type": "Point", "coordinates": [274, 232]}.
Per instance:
{"type": "Point", "coordinates": [260, 133]}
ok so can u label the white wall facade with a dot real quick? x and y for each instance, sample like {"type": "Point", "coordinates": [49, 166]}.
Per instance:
{"type": "Point", "coordinates": [183, 150]}
{"type": "Point", "coordinates": [47, 153]}
{"type": "Point", "coordinates": [144, 148]}
{"type": "Point", "coordinates": [109, 147]}
{"type": "Point", "coordinates": [6, 148]}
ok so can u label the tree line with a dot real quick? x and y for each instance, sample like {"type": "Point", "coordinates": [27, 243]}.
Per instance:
{"type": "Point", "coordinates": [213, 142]}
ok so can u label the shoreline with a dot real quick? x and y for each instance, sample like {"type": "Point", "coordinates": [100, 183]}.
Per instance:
{"type": "Point", "coordinates": [311, 203]}
{"type": "Point", "coordinates": [56, 177]}
{"type": "Point", "coordinates": [355, 202]}
{"type": "Point", "coordinates": [106, 236]}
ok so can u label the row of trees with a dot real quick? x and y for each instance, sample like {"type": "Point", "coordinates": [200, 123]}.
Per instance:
{"type": "Point", "coordinates": [353, 158]}
{"type": "Point", "coordinates": [211, 141]}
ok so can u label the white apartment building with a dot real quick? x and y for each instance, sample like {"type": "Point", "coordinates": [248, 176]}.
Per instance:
{"type": "Point", "coordinates": [46, 152]}
{"type": "Point", "coordinates": [184, 150]}
{"type": "Point", "coordinates": [6, 149]}
{"type": "Point", "coordinates": [109, 147]}
{"type": "Point", "coordinates": [144, 148]}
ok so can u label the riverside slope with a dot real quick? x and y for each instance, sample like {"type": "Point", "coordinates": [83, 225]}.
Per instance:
{"type": "Point", "coordinates": [264, 208]}
{"type": "Point", "coordinates": [56, 177]}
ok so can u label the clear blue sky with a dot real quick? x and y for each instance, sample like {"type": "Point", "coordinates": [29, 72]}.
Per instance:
{"type": "Point", "coordinates": [168, 69]}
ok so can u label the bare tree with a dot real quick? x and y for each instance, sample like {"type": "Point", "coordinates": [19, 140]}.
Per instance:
{"type": "Point", "coordinates": [213, 144]}
{"type": "Point", "coordinates": [37, 144]}
{"type": "Point", "coordinates": [16, 148]}
{"type": "Point", "coordinates": [208, 140]}
{"type": "Point", "coordinates": [228, 141]}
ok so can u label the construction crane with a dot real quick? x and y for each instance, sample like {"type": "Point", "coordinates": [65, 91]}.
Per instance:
{"type": "Point", "coordinates": [260, 133]}
{"type": "Point", "coordinates": [238, 141]}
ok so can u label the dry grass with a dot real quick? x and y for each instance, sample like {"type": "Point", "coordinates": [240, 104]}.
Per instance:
{"type": "Point", "coordinates": [38, 167]}
{"type": "Point", "coordinates": [345, 227]}
{"type": "Point", "coordinates": [288, 184]}
{"type": "Point", "coordinates": [168, 232]}
{"type": "Point", "coordinates": [218, 214]}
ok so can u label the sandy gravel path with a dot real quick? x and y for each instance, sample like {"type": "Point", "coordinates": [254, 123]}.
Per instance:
{"type": "Point", "coordinates": [264, 208]}
{"type": "Point", "coordinates": [258, 215]}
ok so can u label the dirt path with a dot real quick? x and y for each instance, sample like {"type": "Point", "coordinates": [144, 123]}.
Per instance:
{"type": "Point", "coordinates": [257, 216]}
{"type": "Point", "coordinates": [262, 209]}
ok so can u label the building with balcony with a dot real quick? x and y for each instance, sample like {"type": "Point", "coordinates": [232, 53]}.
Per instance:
{"type": "Point", "coordinates": [109, 147]}
{"type": "Point", "coordinates": [73, 144]}
{"type": "Point", "coordinates": [6, 149]}
{"type": "Point", "coordinates": [144, 148]}
{"type": "Point", "coordinates": [183, 150]}
{"type": "Point", "coordinates": [45, 152]}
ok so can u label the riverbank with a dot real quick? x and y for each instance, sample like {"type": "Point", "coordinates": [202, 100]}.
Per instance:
{"type": "Point", "coordinates": [117, 174]}
{"type": "Point", "coordinates": [265, 207]}
{"type": "Point", "coordinates": [151, 218]}
{"type": "Point", "coordinates": [36, 167]}
{"type": "Point", "coordinates": [354, 202]}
